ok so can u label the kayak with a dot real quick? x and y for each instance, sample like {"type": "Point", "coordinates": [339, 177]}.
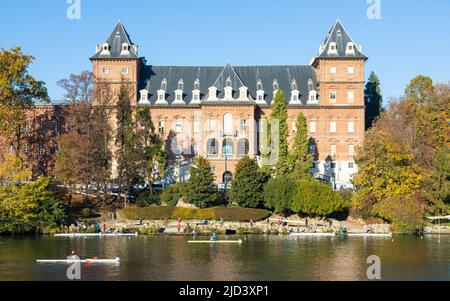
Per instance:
{"type": "Point", "coordinates": [370, 234]}
{"type": "Point", "coordinates": [95, 234]}
{"type": "Point", "coordinates": [104, 261]}
{"type": "Point", "coordinates": [215, 241]}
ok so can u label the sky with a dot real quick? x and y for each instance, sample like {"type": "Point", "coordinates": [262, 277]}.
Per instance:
{"type": "Point", "coordinates": [409, 38]}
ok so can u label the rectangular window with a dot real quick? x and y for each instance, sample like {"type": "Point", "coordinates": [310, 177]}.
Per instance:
{"type": "Point", "coordinates": [243, 125]}
{"type": "Point", "coordinates": [351, 165]}
{"type": "Point", "coordinates": [351, 150]}
{"type": "Point", "coordinates": [260, 97]}
{"type": "Point", "coordinates": [212, 125]}
{"type": "Point", "coordinates": [294, 127]}
{"type": "Point", "coordinates": [105, 70]}
{"type": "Point", "coordinates": [351, 70]}
{"type": "Point", "coordinates": [351, 126]}
{"type": "Point", "coordinates": [196, 127]}
{"type": "Point", "coordinates": [333, 96]}
{"type": "Point", "coordinates": [161, 96]}
{"type": "Point", "coordinates": [312, 127]}
{"type": "Point", "coordinates": [178, 96]}
{"type": "Point", "coordinates": [124, 70]}
{"type": "Point", "coordinates": [161, 126]}
{"type": "Point", "coordinates": [333, 70]}
{"type": "Point", "coordinates": [26, 127]}
{"type": "Point", "coordinates": [196, 97]}
{"type": "Point", "coordinates": [351, 96]}
{"type": "Point", "coordinates": [178, 127]}
{"type": "Point", "coordinates": [295, 97]}
{"type": "Point", "coordinates": [312, 149]}
{"type": "Point", "coordinates": [333, 166]}
{"type": "Point", "coordinates": [41, 150]}
{"type": "Point", "coordinates": [333, 127]}
{"type": "Point", "coordinates": [56, 126]}
{"type": "Point", "coordinates": [333, 149]}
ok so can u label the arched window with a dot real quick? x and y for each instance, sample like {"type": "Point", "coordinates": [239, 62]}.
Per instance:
{"type": "Point", "coordinates": [243, 147]}
{"type": "Point", "coordinates": [227, 177]}
{"type": "Point", "coordinates": [227, 124]}
{"type": "Point", "coordinates": [212, 148]}
{"type": "Point", "coordinates": [227, 148]}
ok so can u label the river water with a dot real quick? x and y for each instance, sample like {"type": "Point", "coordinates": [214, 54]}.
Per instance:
{"type": "Point", "coordinates": [259, 257]}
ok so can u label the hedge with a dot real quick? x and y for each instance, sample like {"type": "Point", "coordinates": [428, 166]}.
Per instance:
{"type": "Point", "coordinates": [215, 213]}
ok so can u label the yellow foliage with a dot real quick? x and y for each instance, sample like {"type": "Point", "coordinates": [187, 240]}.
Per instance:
{"type": "Point", "coordinates": [12, 169]}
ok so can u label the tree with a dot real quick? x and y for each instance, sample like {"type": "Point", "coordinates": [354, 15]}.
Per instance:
{"type": "Point", "coordinates": [247, 185]}
{"type": "Point", "coordinates": [12, 169]}
{"type": "Point", "coordinates": [437, 186]}
{"type": "Point", "coordinates": [373, 100]}
{"type": "Point", "coordinates": [30, 207]}
{"type": "Point", "coordinates": [127, 154]}
{"type": "Point", "coordinates": [279, 116]}
{"type": "Point", "coordinates": [200, 188]}
{"type": "Point", "coordinates": [315, 198]}
{"type": "Point", "coordinates": [84, 156]}
{"type": "Point", "coordinates": [18, 91]}
{"type": "Point", "coordinates": [420, 90]}
{"type": "Point", "coordinates": [152, 156]}
{"type": "Point", "coordinates": [278, 193]}
{"type": "Point", "coordinates": [299, 159]}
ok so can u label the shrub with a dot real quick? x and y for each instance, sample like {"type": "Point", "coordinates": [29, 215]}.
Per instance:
{"type": "Point", "coordinates": [278, 193]}
{"type": "Point", "coordinates": [172, 194]}
{"type": "Point", "coordinates": [147, 198]}
{"type": "Point", "coordinates": [200, 189]}
{"type": "Point", "coordinates": [315, 198]}
{"type": "Point", "coordinates": [216, 213]}
{"type": "Point", "coordinates": [86, 212]}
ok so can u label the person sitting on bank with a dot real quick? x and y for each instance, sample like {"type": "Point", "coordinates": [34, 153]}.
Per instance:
{"type": "Point", "coordinates": [187, 229]}
{"type": "Point", "coordinates": [214, 237]}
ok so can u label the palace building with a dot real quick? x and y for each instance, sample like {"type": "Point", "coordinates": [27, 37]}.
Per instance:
{"type": "Point", "coordinates": [216, 111]}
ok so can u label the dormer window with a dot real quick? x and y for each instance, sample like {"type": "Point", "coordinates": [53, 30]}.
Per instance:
{"type": "Point", "coordinates": [243, 91]}
{"type": "Point", "coordinates": [125, 49]}
{"type": "Point", "coordinates": [212, 93]}
{"type": "Point", "coordinates": [333, 48]}
{"type": "Point", "coordinates": [312, 97]}
{"type": "Point", "coordinates": [105, 49]}
{"type": "Point", "coordinates": [196, 92]}
{"type": "Point", "coordinates": [144, 96]}
{"type": "Point", "coordinates": [350, 48]}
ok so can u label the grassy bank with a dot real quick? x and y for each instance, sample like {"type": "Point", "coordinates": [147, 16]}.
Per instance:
{"type": "Point", "coordinates": [215, 213]}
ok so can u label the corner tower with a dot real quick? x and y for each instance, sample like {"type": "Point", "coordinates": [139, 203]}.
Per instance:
{"type": "Point", "coordinates": [117, 60]}
{"type": "Point", "coordinates": [340, 69]}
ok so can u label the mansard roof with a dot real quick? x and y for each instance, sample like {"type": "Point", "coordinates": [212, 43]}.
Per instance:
{"type": "Point", "coordinates": [116, 39]}
{"type": "Point", "coordinates": [341, 38]}
{"type": "Point", "coordinates": [248, 76]}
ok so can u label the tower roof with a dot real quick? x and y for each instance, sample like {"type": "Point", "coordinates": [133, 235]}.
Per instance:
{"type": "Point", "coordinates": [118, 37]}
{"type": "Point", "coordinates": [339, 38]}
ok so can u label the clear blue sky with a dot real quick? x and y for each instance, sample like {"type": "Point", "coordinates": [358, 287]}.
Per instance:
{"type": "Point", "coordinates": [412, 37]}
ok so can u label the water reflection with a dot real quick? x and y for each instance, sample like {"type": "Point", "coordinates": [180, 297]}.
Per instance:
{"type": "Point", "coordinates": [258, 258]}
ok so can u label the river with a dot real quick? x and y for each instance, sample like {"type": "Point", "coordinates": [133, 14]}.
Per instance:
{"type": "Point", "coordinates": [259, 257]}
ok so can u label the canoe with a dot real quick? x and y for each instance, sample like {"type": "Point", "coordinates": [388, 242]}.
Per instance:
{"type": "Point", "coordinates": [313, 234]}
{"type": "Point", "coordinates": [215, 241]}
{"type": "Point", "coordinates": [95, 234]}
{"type": "Point", "coordinates": [103, 261]}
{"type": "Point", "coordinates": [370, 234]}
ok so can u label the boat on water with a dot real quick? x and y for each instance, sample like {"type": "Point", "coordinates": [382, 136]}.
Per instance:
{"type": "Point", "coordinates": [95, 234]}
{"type": "Point", "coordinates": [215, 241]}
{"type": "Point", "coordinates": [312, 234]}
{"type": "Point", "coordinates": [344, 234]}
{"type": "Point", "coordinates": [88, 261]}
{"type": "Point", "coordinates": [370, 234]}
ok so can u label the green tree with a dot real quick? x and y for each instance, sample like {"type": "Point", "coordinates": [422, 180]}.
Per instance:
{"type": "Point", "coordinates": [152, 154]}
{"type": "Point", "coordinates": [278, 193]}
{"type": "Point", "coordinates": [373, 100]}
{"type": "Point", "coordinates": [279, 115]}
{"type": "Point", "coordinates": [420, 90]}
{"type": "Point", "coordinates": [315, 198]}
{"type": "Point", "coordinates": [299, 159]}
{"type": "Point", "coordinates": [247, 185]}
{"type": "Point", "coordinates": [200, 188]}
{"type": "Point", "coordinates": [127, 155]}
